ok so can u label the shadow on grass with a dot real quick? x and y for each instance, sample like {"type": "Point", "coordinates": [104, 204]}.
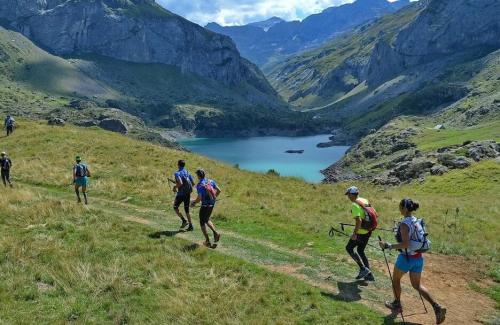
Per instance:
{"type": "Point", "coordinates": [348, 291]}
{"type": "Point", "coordinates": [190, 248]}
{"type": "Point", "coordinates": [166, 233]}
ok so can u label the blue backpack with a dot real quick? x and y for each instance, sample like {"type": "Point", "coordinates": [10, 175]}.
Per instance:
{"type": "Point", "coordinates": [81, 170]}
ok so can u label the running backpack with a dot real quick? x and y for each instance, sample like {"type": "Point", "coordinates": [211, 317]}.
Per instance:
{"type": "Point", "coordinates": [419, 243]}
{"type": "Point", "coordinates": [81, 170]}
{"type": "Point", "coordinates": [370, 221]}
{"type": "Point", "coordinates": [187, 186]}
{"type": "Point", "coordinates": [5, 164]}
{"type": "Point", "coordinates": [210, 192]}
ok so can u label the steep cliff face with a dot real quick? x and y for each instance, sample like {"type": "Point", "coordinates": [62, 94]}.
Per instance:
{"type": "Point", "coordinates": [443, 28]}
{"type": "Point", "coordinates": [137, 31]}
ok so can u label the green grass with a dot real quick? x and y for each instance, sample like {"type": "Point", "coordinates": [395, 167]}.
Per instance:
{"type": "Point", "coordinates": [432, 139]}
{"type": "Point", "coordinates": [63, 262]}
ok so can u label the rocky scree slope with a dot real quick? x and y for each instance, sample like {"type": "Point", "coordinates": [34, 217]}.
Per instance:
{"type": "Point", "coordinates": [263, 45]}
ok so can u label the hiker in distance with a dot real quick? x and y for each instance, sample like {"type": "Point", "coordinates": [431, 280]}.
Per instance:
{"type": "Point", "coordinates": [81, 173]}
{"type": "Point", "coordinates": [183, 188]}
{"type": "Point", "coordinates": [208, 191]}
{"type": "Point", "coordinates": [411, 239]}
{"type": "Point", "coordinates": [6, 165]}
{"type": "Point", "coordinates": [361, 234]}
{"type": "Point", "coordinates": [9, 124]}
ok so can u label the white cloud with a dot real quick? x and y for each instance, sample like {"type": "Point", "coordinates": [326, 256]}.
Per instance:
{"type": "Point", "coordinates": [239, 12]}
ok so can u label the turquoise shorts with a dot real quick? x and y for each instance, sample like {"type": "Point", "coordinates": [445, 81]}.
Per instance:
{"type": "Point", "coordinates": [82, 181]}
{"type": "Point", "coordinates": [410, 264]}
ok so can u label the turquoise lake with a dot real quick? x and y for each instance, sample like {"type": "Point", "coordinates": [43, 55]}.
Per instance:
{"type": "Point", "coordinates": [260, 154]}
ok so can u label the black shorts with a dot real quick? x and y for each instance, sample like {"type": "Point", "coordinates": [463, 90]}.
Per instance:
{"type": "Point", "coordinates": [205, 214]}
{"type": "Point", "coordinates": [186, 199]}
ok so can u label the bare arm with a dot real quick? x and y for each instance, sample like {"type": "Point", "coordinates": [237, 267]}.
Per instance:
{"type": "Point", "coordinates": [197, 200]}
{"type": "Point", "coordinates": [405, 237]}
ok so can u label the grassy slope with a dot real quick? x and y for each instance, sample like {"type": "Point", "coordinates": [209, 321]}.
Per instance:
{"type": "Point", "coordinates": [111, 270]}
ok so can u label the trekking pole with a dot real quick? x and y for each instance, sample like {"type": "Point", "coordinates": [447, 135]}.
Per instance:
{"type": "Point", "coordinates": [390, 276]}
{"type": "Point", "coordinates": [423, 303]}
{"type": "Point", "coordinates": [332, 232]}
{"type": "Point", "coordinates": [342, 225]}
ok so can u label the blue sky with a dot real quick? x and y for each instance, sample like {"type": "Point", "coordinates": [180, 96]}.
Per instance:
{"type": "Point", "coordinates": [239, 12]}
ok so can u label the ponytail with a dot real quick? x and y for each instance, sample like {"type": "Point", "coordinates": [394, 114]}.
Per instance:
{"type": "Point", "coordinates": [409, 204]}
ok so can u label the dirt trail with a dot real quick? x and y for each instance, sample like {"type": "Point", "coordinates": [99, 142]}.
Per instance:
{"type": "Point", "coordinates": [447, 277]}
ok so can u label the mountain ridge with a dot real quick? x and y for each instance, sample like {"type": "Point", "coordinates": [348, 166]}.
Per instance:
{"type": "Point", "coordinates": [286, 38]}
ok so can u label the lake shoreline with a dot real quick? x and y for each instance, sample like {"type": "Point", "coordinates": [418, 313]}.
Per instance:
{"type": "Point", "coordinates": [262, 154]}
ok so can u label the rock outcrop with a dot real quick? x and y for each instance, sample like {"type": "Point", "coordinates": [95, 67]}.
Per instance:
{"type": "Point", "coordinates": [114, 125]}
{"type": "Point", "coordinates": [443, 28]}
{"type": "Point", "coordinates": [56, 121]}
{"type": "Point", "coordinates": [137, 31]}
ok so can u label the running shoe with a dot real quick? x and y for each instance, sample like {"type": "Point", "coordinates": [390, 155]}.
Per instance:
{"type": "Point", "coordinates": [395, 306]}
{"type": "Point", "coordinates": [440, 314]}
{"type": "Point", "coordinates": [363, 272]}
{"type": "Point", "coordinates": [369, 277]}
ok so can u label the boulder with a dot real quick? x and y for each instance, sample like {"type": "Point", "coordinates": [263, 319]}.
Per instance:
{"type": "Point", "coordinates": [80, 104]}
{"type": "Point", "coordinates": [460, 163]}
{"type": "Point", "coordinates": [86, 123]}
{"type": "Point", "coordinates": [445, 159]}
{"type": "Point", "coordinates": [439, 170]}
{"type": "Point", "coordinates": [408, 170]}
{"type": "Point", "coordinates": [480, 150]}
{"type": "Point", "coordinates": [370, 154]}
{"type": "Point", "coordinates": [401, 146]}
{"type": "Point", "coordinates": [114, 125]}
{"type": "Point", "coordinates": [386, 179]}
{"type": "Point", "coordinates": [439, 127]}
{"type": "Point", "coordinates": [56, 121]}
{"type": "Point", "coordinates": [336, 173]}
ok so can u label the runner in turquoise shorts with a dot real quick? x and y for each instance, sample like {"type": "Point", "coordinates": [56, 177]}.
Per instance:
{"type": "Point", "coordinates": [409, 261]}
{"type": "Point", "coordinates": [81, 174]}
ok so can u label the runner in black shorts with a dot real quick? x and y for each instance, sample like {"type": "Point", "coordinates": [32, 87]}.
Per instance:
{"type": "Point", "coordinates": [208, 191]}
{"type": "Point", "coordinates": [183, 187]}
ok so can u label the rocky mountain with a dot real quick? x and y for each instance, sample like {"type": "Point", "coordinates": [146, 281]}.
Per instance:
{"type": "Point", "coordinates": [137, 57]}
{"type": "Point", "coordinates": [439, 71]}
{"type": "Point", "coordinates": [267, 24]}
{"type": "Point", "coordinates": [283, 38]}
{"type": "Point", "coordinates": [406, 62]}
{"type": "Point", "coordinates": [142, 32]}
